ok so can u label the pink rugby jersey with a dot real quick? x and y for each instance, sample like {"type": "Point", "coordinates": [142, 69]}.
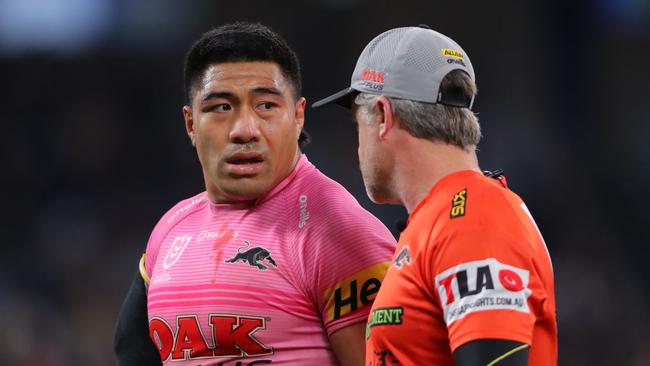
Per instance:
{"type": "Point", "coordinates": [263, 283]}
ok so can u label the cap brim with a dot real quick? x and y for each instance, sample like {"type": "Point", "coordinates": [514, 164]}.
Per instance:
{"type": "Point", "coordinates": [342, 98]}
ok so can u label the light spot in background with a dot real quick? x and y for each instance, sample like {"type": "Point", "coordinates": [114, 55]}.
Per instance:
{"type": "Point", "coordinates": [631, 16]}
{"type": "Point", "coordinates": [59, 26]}
{"type": "Point", "coordinates": [72, 27]}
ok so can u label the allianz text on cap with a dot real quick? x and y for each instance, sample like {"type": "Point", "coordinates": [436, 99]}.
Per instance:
{"type": "Point", "coordinates": [407, 63]}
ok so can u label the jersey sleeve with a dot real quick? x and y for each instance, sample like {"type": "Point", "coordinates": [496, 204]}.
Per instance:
{"type": "Point", "coordinates": [151, 253]}
{"type": "Point", "coordinates": [486, 284]}
{"type": "Point", "coordinates": [345, 264]}
{"type": "Point", "coordinates": [142, 269]}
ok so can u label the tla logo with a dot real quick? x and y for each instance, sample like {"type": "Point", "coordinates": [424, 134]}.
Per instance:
{"type": "Point", "coordinates": [482, 285]}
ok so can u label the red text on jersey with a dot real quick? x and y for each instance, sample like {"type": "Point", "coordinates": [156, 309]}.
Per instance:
{"type": "Point", "coordinates": [230, 336]}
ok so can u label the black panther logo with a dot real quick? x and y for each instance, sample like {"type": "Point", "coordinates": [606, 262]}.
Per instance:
{"type": "Point", "coordinates": [253, 256]}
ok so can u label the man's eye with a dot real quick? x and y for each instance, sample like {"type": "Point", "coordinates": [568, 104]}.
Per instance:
{"type": "Point", "coordinates": [266, 106]}
{"type": "Point", "coordinates": [222, 107]}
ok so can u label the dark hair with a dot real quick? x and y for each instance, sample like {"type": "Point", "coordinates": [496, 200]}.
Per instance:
{"type": "Point", "coordinates": [242, 42]}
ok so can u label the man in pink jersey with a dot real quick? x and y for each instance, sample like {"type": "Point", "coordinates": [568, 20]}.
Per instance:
{"type": "Point", "coordinates": [262, 267]}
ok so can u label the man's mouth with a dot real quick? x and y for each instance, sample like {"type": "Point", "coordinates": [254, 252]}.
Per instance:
{"type": "Point", "coordinates": [244, 163]}
{"type": "Point", "coordinates": [245, 158]}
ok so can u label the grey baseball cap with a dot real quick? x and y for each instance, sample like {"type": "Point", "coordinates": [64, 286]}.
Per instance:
{"type": "Point", "coordinates": [407, 63]}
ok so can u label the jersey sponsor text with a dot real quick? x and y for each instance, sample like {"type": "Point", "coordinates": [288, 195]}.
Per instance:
{"type": "Point", "coordinates": [355, 291]}
{"type": "Point", "coordinates": [231, 336]}
{"type": "Point", "coordinates": [482, 285]}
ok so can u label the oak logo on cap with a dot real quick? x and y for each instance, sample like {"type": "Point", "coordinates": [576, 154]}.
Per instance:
{"type": "Point", "coordinates": [448, 52]}
{"type": "Point", "coordinates": [373, 76]}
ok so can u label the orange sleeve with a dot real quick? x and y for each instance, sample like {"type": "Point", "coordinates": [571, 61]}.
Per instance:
{"type": "Point", "coordinates": [485, 283]}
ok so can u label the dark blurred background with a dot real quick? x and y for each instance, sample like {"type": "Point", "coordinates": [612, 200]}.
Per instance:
{"type": "Point", "coordinates": [94, 149]}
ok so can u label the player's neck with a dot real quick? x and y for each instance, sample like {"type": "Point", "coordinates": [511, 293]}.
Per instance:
{"type": "Point", "coordinates": [423, 164]}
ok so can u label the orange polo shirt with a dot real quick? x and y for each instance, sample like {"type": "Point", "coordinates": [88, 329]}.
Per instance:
{"type": "Point", "coordinates": [471, 264]}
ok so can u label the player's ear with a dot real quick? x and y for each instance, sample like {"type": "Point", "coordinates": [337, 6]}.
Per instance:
{"type": "Point", "coordinates": [189, 123]}
{"type": "Point", "coordinates": [300, 114]}
{"type": "Point", "coordinates": [386, 113]}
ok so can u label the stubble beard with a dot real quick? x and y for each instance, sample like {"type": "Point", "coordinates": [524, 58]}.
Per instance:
{"type": "Point", "coordinates": [378, 184]}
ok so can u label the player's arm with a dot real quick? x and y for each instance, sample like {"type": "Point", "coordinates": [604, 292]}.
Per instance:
{"type": "Point", "coordinates": [492, 352]}
{"type": "Point", "coordinates": [500, 333]}
{"type": "Point", "coordinates": [132, 344]}
{"type": "Point", "coordinates": [349, 344]}
{"type": "Point", "coordinates": [346, 284]}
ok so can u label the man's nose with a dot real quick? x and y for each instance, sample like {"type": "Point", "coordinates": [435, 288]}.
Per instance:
{"type": "Point", "coordinates": [246, 127]}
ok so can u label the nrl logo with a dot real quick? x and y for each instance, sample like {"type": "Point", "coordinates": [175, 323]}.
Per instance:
{"type": "Point", "coordinates": [176, 250]}
{"type": "Point", "coordinates": [403, 258]}
{"type": "Point", "coordinates": [253, 256]}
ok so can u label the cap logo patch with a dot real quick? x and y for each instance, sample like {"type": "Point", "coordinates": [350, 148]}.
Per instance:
{"type": "Point", "coordinates": [448, 52]}
{"type": "Point", "coordinates": [373, 76]}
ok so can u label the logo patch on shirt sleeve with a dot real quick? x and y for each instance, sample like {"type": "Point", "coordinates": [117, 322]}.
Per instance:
{"type": "Point", "coordinates": [355, 291]}
{"type": "Point", "coordinates": [403, 258]}
{"type": "Point", "coordinates": [480, 286]}
{"type": "Point", "coordinates": [384, 316]}
{"type": "Point", "coordinates": [176, 250]}
{"type": "Point", "coordinates": [458, 203]}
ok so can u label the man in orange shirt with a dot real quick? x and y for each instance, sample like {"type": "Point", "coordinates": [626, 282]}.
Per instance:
{"type": "Point", "coordinates": [471, 281]}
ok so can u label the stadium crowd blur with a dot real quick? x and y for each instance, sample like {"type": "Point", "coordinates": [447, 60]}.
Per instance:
{"type": "Point", "coordinates": [94, 150]}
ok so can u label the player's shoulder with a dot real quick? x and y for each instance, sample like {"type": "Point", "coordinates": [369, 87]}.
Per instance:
{"type": "Point", "coordinates": [181, 210]}
{"type": "Point", "coordinates": [463, 200]}
{"type": "Point", "coordinates": [167, 222]}
{"type": "Point", "coordinates": [485, 194]}
{"type": "Point", "coordinates": [478, 207]}
{"type": "Point", "coordinates": [496, 204]}
{"type": "Point", "coordinates": [329, 196]}
{"type": "Point", "coordinates": [328, 203]}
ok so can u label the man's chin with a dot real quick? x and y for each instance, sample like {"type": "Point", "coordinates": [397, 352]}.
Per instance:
{"type": "Point", "coordinates": [245, 189]}
{"type": "Point", "coordinates": [381, 196]}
